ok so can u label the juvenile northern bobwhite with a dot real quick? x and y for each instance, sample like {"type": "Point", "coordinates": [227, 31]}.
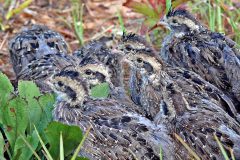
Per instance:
{"type": "Point", "coordinates": [210, 54]}
{"type": "Point", "coordinates": [37, 53]}
{"type": "Point", "coordinates": [32, 44]}
{"type": "Point", "coordinates": [99, 50]}
{"type": "Point", "coordinates": [196, 109]}
{"type": "Point", "coordinates": [115, 132]}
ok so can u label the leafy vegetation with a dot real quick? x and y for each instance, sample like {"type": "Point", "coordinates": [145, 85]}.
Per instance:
{"type": "Point", "coordinates": [100, 91]}
{"type": "Point", "coordinates": [220, 15]}
{"type": "Point", "coordinates": [27, 116]}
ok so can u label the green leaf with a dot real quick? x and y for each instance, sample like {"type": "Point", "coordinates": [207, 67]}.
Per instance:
{"type": "Point", "coordinates": [168, 5]}
{"type": "Point", "coordinates": [15, 120]}
{"type": "Point", "coordinates": [6, 89]}
{"type": "Point", "coordinates": [2, 143]}
{"type": "Point", "coordinates": [46, 103]}
{"type": "Point", "coordinates": [30, 92]}
{"type": "Point", "coordinates": [30, 147]}
{"type": "Point", "coordinates": [100, 91]}
{"type": "Point", "coordinates": [23, 149]}
{"type": "Point", "coordinates": [143, 8]}
{"type": "Point", "coordinates": [72, 136]}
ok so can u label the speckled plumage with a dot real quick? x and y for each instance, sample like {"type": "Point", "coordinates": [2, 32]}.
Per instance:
{"type": "Point", "coordinates": [98, 50]}
{"type": "Point", "coordinates": [193, 107]}
{"type": "Point", "coordinates": [210, 54]}
{"type": "Point", "coordinates": [116, 132]}
{"type": "Point", "coordinates": [33, 43]}
{"type": "Point", "coordinates": [37, 53]}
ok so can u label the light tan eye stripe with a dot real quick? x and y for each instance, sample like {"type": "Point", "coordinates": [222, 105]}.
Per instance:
{"type": "Point", "coordinates": [151, 60]}
{"type": "Point", "coordinates": [95, 68]}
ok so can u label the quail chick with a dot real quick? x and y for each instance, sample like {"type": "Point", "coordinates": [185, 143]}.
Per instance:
{"type": "Point", "coordinates": [210, 54]}
{"type": "Point", "coordinates": [32, 44]}
{"type": "Point", "coordinates": [196, 109]}
{"type": "Point", "coordinates": [95, 72]}
{"type": "Point", "coordinates": [115, 132]}
{"type": "Point", "coordinates": [98, 50]}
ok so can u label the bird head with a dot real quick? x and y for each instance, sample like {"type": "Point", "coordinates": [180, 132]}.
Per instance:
{"type": "Point", "coordinates": [180, 22]}
{"type": "Point", "coordinates": [139, 54]}
{"type": "Point", "coordinates": [69, 86]}
{"type": "Point", "coordinates": [94, 72]}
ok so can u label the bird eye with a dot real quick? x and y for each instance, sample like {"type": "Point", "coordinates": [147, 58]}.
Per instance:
{"type": "Point", "coordinates": [60, 83]}
{"type": "Point", "coordinates": [128, 48]}
{"type": "Point", "coordinates": [88, 72]}
{"type": "Point", "coordinates": [139, 60]}
{"type": "Point", "coordinates": [174, 21]}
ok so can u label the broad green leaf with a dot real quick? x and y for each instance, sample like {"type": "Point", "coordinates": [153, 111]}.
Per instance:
{"type": "Point", "coordinates": [142, 8]}
{"type": "Point", "coordinates": [168, 5]}
{"type": "Point", "coordinates": [15, 120]}
{"type": "Point", "coordinates": [23, 149]}
{"type": "Point", "coordinates": [6, 89]}
{"type": "Point", "coordinates": [1, 146]}
{"type": "Point", "coordinates": [100, 91]}
{"type": "Point", "coordinates": [46, 103]}
{"type": "Point", "coordinates": [72, 136]}
{"type": "Point", "coordinates": [30, 92]}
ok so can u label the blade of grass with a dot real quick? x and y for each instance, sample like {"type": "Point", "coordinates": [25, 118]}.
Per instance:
{"type": "Point", "coordinates": [20, 8]}
{"type": "Point", "coordinates": [211, 15]}
{"type": "Point", "coordinates": [61, 147]}
{"type": "Point", "coordinates": [232, 155]}
{"type": "Point", "coordinates": [160, 153]}
{"type": "Point", "coordinates": [219, 17]}
{"type": "Point", "coordinates": [30, 147]}
{"type": "Point", "coordinates": [187, 147]}
{"type": "Point", "coordinates": [77, 15]}
{"type": "Point", "coordinates": [81, 144]}
{"type": "Point", "coordinates": [221, 148]}
{"type": "Point", "coordinates": [120, 20]}
{"type": "Point", "coordinates": [49, 157]}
